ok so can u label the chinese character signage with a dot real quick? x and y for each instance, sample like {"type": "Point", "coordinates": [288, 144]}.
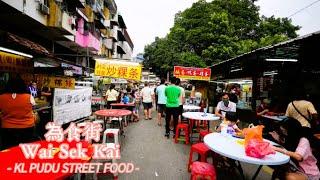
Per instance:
{"type": "Point", "coordinates": [192, 73]}
{"type": "Point", "coordinates": [55, 82]}
{"type": "Point", "coordinates": [14, 63]}
{"type": "Point", "coordinates": [118, 69]}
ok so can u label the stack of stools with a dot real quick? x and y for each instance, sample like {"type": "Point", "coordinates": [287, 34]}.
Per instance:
{"type": "Point", "coordinates": [115, 134]}
{"type": "Point", "coordinates": [185, 128]}
{"type": "Point", "coordinates": [202, 150]}
{"type": "Point", "coordinates": [111, 133]}
{"type": "Point", "coordinates": [201, 170]}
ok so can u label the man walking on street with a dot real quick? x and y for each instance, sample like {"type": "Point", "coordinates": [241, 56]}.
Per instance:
{"type": "Point", "coordinates": [147, 95]}
{"type": "Point", "coordinates": [172, 93]}
{"type": "Point", "coordinates": [162, 100]}
{"type": "Point", "coordinates": [181, 98]}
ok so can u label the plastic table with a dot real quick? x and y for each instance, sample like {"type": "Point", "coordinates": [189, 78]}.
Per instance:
{"type": "Point", "coordinates": [11, 156]}
{"type": "Point", "coordinates": [231, 147]}
{"type": "Point", "coordinates": [98, 100]}
{"type": "Point", "coordinates": [200, 116]}
{"type": "Point", "coordinates": [113, 112]}
{"type": "Point", "coordinates": [122, 105]}
{"type": "Point", "coordinates": [275, 118]}
{"type": "Point", "coordinates": [191, 108]}
{"type": "Point", "coordinates": [117, 113]}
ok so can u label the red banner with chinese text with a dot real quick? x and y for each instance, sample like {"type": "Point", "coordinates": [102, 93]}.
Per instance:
{"type": "Point", "coordinates": [192, 73]}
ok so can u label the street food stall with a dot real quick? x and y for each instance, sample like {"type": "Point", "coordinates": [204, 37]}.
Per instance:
{"type": "Point", "coordinates": [276, 73]}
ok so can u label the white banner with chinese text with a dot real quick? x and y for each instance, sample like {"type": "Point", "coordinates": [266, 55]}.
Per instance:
{"type": "Point", "coordinates": [71, 104]}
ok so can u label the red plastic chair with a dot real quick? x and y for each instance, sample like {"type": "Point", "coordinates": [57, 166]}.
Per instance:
{"type": "Point", "coordinates": [203, 134]}
{"type": "Point", "coordinates": [202, 150]}
{"type": "Point", "coordinates": [203, 171]}
{"type": "Point", "coordinates": [185, 128]}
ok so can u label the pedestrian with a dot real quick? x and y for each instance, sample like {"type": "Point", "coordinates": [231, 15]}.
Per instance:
{"type": "Point", "coordinates": [172, 93]}
{"type": "Point", "coordinates": [135, 109]}
{"type": "Point", "coordinates": [111, 96]}
{"type": "Point", "coordinates": [147, 95]}
{"type": "Point", "coordinates": [225, 105]}
{"type": "Point", "coordinates": [162, 100]}
{"type": "Point", "coordinates": [181, 98]}
{"type": "Point", "coordinates": [17, 118]}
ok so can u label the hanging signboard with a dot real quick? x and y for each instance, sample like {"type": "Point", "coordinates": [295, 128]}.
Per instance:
{"type": "Point", "coordinates": [71, 104]}
{"type": "Point", "coordinates": [192, 73]}
{"type": "Point", "coordinates": [55, 82]}
{"type": "Point", "coordinates": [118, 69]}
{"type": "Point", "coordinates": [15, 63]}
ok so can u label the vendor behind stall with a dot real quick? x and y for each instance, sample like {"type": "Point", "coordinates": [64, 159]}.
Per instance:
{"type": "Point", "coordinates": [33, 89]}
{"type": "Point", "coordinates": [17, 119]}
{"type": "Point", "coordinates": [46, 94]}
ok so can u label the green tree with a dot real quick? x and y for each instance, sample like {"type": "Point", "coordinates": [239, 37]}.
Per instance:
{"type": "Point", "coordinates": [210, 32]}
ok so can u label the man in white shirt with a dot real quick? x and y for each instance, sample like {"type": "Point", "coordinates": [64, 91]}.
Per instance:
{"type": "Point", "coordinates": [225, 106]}
{"type": "Point", "coordinates": [181, 98]}
{"type": "Point", "coordinates": [147, 95]}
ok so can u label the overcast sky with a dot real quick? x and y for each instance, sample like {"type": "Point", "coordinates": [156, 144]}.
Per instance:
{"type": "Point", "coordinates": [146, 19]}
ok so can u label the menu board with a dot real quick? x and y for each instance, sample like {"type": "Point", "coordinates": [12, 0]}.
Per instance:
{"type": "Point", "coordinates": [71, 104]}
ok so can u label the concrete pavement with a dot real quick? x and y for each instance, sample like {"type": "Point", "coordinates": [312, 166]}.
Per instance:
{"type": "Point", "coordinates": [159, 158]}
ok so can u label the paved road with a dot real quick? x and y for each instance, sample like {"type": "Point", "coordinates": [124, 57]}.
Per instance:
{"type": "Point", "coordinates": [160, 158]}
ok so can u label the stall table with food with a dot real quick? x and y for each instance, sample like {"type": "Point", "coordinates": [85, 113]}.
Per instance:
{"type": "Point", "coordinates": [233, 147]}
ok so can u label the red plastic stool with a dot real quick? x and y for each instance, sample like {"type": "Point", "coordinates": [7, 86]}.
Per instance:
{"type": "Point", "coordinates": [185, 128]}
{"type": "Point", "coordinates": [202, 150]}
{"type": "Point", "coordinates": [203, 134]}
{"type": "Point", "coordinates": [204, 124]}
{"type": "Point", "coordinates": [203, 171]}
{"type": "Point", "coordinates": [195, 125]}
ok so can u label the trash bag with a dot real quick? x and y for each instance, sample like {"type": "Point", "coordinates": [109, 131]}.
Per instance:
{"type": "Point", "coordinates": [258, 149]}
{"type": "Point", "coordinates": [253, 132]}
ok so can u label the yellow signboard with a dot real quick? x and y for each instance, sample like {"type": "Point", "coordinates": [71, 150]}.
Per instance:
{"type": "Point", "coordinates": [118, 69]}
{"type": "Point", "coordinates": [55, 82]}
{"type": "Point", "coordinates": [14, 63]}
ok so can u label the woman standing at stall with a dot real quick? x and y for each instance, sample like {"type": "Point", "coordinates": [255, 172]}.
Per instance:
{"type": "Point", "coordinates": [111, 96]}
{"type": "Point", "coordinates": [17, 119]}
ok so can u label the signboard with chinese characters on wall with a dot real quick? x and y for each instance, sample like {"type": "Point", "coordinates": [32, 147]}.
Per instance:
{"type": "Point", "coordinates": [55, 82]}
{"type": "Point", "coordinates": [15, 63]}
{"type": "Point", "coordinates": [192, 73]}
{"type": "Point", "coordinates": [118, 69]}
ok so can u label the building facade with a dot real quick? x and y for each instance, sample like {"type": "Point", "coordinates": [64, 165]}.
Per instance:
{"type": "Point", "coordinates": [74, 31]}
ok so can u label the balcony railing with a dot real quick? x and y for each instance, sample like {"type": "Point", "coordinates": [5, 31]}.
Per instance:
{"type": "Point", "coordinates": [114, 34]}
{"type": "Point", "coordinates": [108, 43]}
{"type": "Point", "coordinates": [88, 41]}
{"type": "Point", "coordinates": [60, 20]}
{"type": "Point", "coordinates": [89, 13]}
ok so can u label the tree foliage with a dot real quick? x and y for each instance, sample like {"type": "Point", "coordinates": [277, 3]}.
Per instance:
{"type": "Point", "coordinates": [210, 32]}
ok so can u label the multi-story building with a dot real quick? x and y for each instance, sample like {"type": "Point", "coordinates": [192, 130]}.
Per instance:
{"type": "Point", "coordinates": [123, 45]}
{"type": "Point", "coordinates": [139, 58]}
{"type": "Point", "coordinates": [149, 77]}
{"type": "Point", "coordinates": [64, 30]}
